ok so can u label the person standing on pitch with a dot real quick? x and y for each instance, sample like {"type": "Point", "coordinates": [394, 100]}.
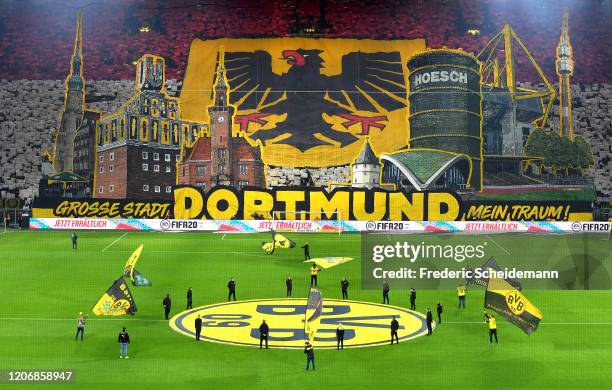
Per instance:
{"type": "Point", "coordinates": [309, 351]}
{"type": "Point", "coordinates": [167, 304]}
{"type": "Point", "coordinates": [394, 328]}
{"type": "Point", "coordinates": [124, 340]}
{"type": "Point", "coordinates": [80, 325]}
{"type": "Point", "coordinates": [461, 294]}
{"type": "Point", "coordinates": [429, 319]}
{"type": "Point", "coordinates": [73, 238]}
{"type": "Point", "coordinates": [412, 299]}
{"type": "Point", "coordinates": [189, 298]}
{"type": "Point", "coordinates": [344, 283]}
{"type": "Point", "coordinates": [198, 327]}
{"type": "Point", "coordinates": [289, 284]}
{"type": "Point", "coordinates": [231, 286]}
{"type": "Point", "coordinates": [340, 335]}
{"type": "Point", "coordinates": [492, 326]}
{"type": "Point", "coordinates": [385, 292]}
{"type": "Point", "coordinates": [306, 251]}
{"type": "Point", "coordinates": [439, 311]}
{"type": "Point", "coordinates": [314, 271]}
{"type": "Point", "coordinates": [264, 330]}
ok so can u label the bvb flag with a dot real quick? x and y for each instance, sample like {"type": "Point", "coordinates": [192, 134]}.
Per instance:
{"type": "Point", "coordinates": [130, 271]}
{"type": "Point", "coordinates": [116, 301]}
{"type": "Point", "coordinates": [328, 262]}
{"type": "Point", "coordinates": [512, 305]}
{"type": "Point", "coordinates": [281, 241]}
{"type": "Point", "coordinates": [314, 308]}
{"type": "Point", "coordinates": [491, 264]}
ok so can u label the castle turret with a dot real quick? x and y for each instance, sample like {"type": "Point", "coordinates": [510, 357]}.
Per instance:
{"type": "Point", "coordinates": [565, 69]}
{"type": "Point", "coordinates": [74, 101]}
{"type": "Point", "coordinates": [366, 169]}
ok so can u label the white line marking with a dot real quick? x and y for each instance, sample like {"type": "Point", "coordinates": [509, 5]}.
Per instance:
{"type": "Point", "coordinates": [223, 238]}
{"type": "Point", "coordinates": [114, 242]}
{"type": "Point", "coordinates": [495, 242]}
{"type": "Point", "coordinates": [152, 320]}
{"type": "Point", "coordinates": [201, 252]}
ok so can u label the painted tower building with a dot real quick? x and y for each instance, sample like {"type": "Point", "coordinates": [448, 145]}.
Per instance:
{"type": "Point", "coordinates": [74, 103]}
{"type": "Point", "coordinates": [366, 169]}
{"type": "Point", "coordinates": [565, 69]}
{"type": "Point", "coordinates": [139, 146]}
{"type": "Point", "coordinates": [219, 158]}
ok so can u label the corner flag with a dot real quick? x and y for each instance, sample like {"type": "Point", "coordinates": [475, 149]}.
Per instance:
{"type": "Point", "coordinates": [314, 308]}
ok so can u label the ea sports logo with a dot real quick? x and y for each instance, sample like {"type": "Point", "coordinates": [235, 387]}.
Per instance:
{"type": "Point", "coordinates": [365, 324]}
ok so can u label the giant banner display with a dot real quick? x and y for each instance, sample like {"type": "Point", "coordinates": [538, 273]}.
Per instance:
{"type": "Point", "coordinates": [307, 99]}
{"type": "Point", "coordinates": [348, 204]}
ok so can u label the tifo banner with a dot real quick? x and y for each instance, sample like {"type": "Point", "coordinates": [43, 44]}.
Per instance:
{"type": "Point", "coordinates": [255, 226]}
{"type": "Point", "coordinates": [307, 99]}
{"type": "Point", "coordinates": [301, 204]}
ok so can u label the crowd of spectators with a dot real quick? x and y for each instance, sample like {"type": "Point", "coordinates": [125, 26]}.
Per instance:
{"type": "Point", "coordinates": [36, 35]}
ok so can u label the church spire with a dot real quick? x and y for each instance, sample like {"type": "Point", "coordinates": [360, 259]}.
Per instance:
{"type": "Point", "coordinates": [75, 79]}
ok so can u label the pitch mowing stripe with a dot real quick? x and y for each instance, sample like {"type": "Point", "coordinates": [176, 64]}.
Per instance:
{"type": "Point", "coordinates": [114, 242]}
{"type": "Point", "coordinates": [152, 320]}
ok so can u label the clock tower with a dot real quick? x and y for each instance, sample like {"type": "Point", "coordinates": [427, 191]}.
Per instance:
{"type": "Point", "coordinates": [221, 116]}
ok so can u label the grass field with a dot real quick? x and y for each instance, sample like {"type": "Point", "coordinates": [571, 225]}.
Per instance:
{"type": "Point", "coordinates": [44, 284]}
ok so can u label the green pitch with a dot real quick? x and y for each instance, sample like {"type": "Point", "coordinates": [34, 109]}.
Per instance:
{"type": "Point", "coordinates": [44, 284]}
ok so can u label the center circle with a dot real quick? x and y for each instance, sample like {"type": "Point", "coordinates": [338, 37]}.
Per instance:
{"type": "Point", "coordinates": [366, 324]}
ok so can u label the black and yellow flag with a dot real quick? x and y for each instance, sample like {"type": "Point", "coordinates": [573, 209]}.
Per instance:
{"type": "Point", "coordinates": [281, 241]}
{"type": "Point", "coordinates": [491, 265]}
{"type": "Point", "coordinates": [314, 309]}
{"type": "Point", "coordinates": [128, 270]}
{"type": "Point", "coordinates": [512, 305]}
{"type": "Point", "coordinates": [116, 301]}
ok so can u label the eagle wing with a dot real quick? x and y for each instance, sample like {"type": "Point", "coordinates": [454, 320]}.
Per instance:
{"type": "Point", "coordinates": [252, 83]}
{"type": "Point", "coordinates": [370, 82]}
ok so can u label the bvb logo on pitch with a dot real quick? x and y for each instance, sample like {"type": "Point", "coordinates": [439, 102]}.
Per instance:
{"type": "Point", "coordinates": [366, 324]}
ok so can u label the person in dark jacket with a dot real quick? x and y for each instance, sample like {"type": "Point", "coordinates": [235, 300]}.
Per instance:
{"type": "Point", "coordinates": [264, 330]}
{"type": "Point", "coordinates": [429, 319]}
{"type": "Point", "coordinates": [412, 299]}
{"type": "Point", "coordinates": [340, 336]}
{"type": "Point", "coordinates": [123, 340]}
{"type": "Point", "coordinates": [306, 251]}
{"type": "Point", "coordinates": [189, 298]}
{"type": "Point", "coordinates": [309, 351]}
{"type": "Point", "coordinates": [198, 327]}
{"type": "Point", "coordinates": [386, 289]}
{"type": "Point", "coordinates": [344, 284]}
{"type": "Point", "coordinates": [231, 286]}
{"type": "Point", "coordinates": [74, 238]}
{"type": "Point", "coordinates": [439, 311]}
{"type": "Point", "coordinates": [289, 284]}
{"type": "Point", "coordinates": [394, 328]}
{"type": "Point", "coordinates": [167, 303]}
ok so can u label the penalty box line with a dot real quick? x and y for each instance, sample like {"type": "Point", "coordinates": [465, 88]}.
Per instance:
{"type": "Point", "coordinates": [114, 242]}
{"type": "Point", "coordinates": [154, 320]}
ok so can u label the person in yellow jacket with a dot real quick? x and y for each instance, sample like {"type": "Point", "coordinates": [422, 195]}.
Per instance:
{"type": "Point", "coordinates": [461, 294]}
{"type": "Point", "coordinates": [314, 271]}
{"type": "Point", "coordinates": [490, 319]}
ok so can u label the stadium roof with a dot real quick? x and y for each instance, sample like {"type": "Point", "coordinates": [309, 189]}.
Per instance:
{"type": "Point", "coordinates": [423, 167]}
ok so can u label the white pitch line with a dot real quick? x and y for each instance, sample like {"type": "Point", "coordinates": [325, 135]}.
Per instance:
{"type": "Point", "coordinates": [202, 252]}
{"type": "Point", "coordinates": [152, 320]}
{"type": "Point", "coordinates": [495, 242]}
{"type": "Point", "coordinates": [114, 242]}
{"type": "Point", "coordinates": [223, 238]}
